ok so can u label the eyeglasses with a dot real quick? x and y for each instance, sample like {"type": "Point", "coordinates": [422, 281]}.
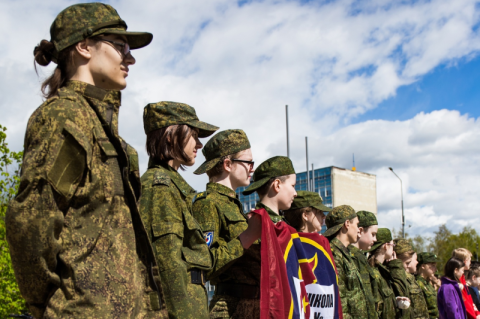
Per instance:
{"type": "Point", "coordinates": [125, 47]}
{"type": "Point", "coordinates": [252, 163]}
{"type": "Point", "coordinates": [392, 244]}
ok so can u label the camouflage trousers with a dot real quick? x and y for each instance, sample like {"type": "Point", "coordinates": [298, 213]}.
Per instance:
{"type": "Point", "coordinates": [223, 306]}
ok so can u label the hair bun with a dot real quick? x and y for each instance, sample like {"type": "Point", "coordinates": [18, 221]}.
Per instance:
{"type": "Point", "coordinates": [44, 52]}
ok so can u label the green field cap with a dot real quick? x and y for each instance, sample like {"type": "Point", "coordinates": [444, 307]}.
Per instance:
{"type": "Point", "coordinates": [273, 167]}
{"type": "Point", "coordinates": [309, 199]}
{"type": "Point", "coordinates": [384, 235]}
{"type": "Point", "coordinates": [86, 20]}
{"type": "Point", "coordinates": [163, 114]}
{"type": "Point", "coordinates": [402, 246]}
{"type": "Point", "coordinates": [426, 258]}
{"type": "Point", "coordinates": [222, 144]}
{"type": "Point", "coordinates": [366, 219]}
{"type": "Point", "coordinates": [337, 217]}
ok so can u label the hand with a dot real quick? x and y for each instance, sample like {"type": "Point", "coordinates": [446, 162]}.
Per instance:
{"type": "Point", "coordinates": [403, 302]}
{"type": "Point", "coordinates": [394, 256]}
{"type": "Point", "coordinates": [253, 232]}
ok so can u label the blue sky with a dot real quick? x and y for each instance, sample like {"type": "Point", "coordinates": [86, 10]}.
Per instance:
{"type": "Point", "coordinates": [451, 86]}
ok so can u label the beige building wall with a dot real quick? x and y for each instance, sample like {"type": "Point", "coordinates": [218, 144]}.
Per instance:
{"type": "Point", "coordinates": [356, 189]}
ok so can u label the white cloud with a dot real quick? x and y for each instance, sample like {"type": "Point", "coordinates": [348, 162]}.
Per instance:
{"type": "Point", "coordinates": [239, 65]}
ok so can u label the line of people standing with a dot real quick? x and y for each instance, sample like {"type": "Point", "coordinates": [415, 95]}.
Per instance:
{"type": "Point", "coordinates": [89, 238]}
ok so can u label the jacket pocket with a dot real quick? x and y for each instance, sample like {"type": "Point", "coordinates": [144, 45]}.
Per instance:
{"type": "Point", "coordinates": [165, 228]}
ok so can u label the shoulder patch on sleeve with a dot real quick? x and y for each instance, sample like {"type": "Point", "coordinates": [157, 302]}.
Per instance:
{"type": "Point", "coordinates": [199, 196]}
{"type": "Point", "coordinates": [208, 235]}
{"type": "Point", "coordinates": [160, 178]}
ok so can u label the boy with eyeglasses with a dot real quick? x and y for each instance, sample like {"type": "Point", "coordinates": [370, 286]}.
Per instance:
{"type": "Point", "coordinates": [219, 212]}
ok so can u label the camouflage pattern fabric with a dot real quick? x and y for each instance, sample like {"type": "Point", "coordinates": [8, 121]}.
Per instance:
{"type": "Point", "coordinates": [309, 199]}
{"type": "Point", "coordinates": [220, 214]}
{"type": "Point", "coordinates": [383, 236]}
{"type": "Point", "coordinates": [366, 219]}
{"type": "Point", "coordinates": [272, 167]}
{"type": "Point", "coordinates": [426, 258]}
{"type": "Point", "coordinates": [273, 216]}
{"type": "Point", "coordinates": [394, 272]}
{"type": "Point", "coordinates": [337, 217]}
{"type": "Point", "coordinates": [163, 114]}
{"type": "Point", "coordinates": [177, 238]}
{"type": "Point", "coordinates": [78, 246]}
{"type": "Point", "coordinates": [367, 274]}
{"type": "Point", "coordinates": [244, 271]}
{"type": "Point", "coordinates": [430, 295]}
{"type": "Point", "coordinates": [222, 144]}
{"type": "Point", "coordinates": [418, 303]}
{"type": "Point", "coordinates": [402, 246]}
{"type": "Point", "coordinates": [354, 305]}
{"type": "Point", "coordinates": [385, 300]}
{"type": "Point", "coordinates": [85, 20]}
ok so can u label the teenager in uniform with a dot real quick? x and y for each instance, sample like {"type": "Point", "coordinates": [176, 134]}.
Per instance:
{"type": "Point", "coordinates": [173, 131]}
{"type": "Point", "coordinates": [390, 277]}
{"type": "Point", "coordinates": [404, 252]}
{"type": "Point", "coordinates": [368, 227]}
{"type": "Point", "coordinates": [342, 231]}
{"type": "Point", "coordinates": [306, 213]}
{"type": "Point", "coordinates": [426, 267]}
{"type": "Point", "coordinates": [228, 164]}
{"type": "Point", "coordinates": [78, 246]}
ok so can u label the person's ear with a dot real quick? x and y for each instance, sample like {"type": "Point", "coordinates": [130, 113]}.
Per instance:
{"type": "Point", "coordinates": [227, 165]}
{"type": "Point", "coordinates": [360, 230]}
{"type": "Point", "coordinates": [84, 49]}
{"type": "Point", "coordinates": [347, 225]}
{"type": "Point", "coordinates": [305, 216]}
{"type": "Point", "coordinates": [276, 185]}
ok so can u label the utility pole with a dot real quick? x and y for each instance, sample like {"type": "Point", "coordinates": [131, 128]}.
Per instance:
{"type": "Point", "coordinates": [306, 156]}
{"type": "Point", "coordinates": [401, 192]}
{"type": "Point", "coordinates": [313, 179]}
{"type": "Point", "coordinates": [288, 137]}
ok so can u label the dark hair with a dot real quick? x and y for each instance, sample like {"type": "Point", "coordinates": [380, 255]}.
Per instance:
{"type": "Point", "coordinates": [263, 190]}
{"type": "Point", "coordinates": [169, 143]}
{"type": "Point", "coordinates": [473, 271]}
{"type": "Point", "coordinates": [295, 216]}
{"type": "Point", "coordinates": [43, 54]}
{"type": "Point", "coordinates": [452, 264]}
{"type": "Point", "coordinates": [218, 168]}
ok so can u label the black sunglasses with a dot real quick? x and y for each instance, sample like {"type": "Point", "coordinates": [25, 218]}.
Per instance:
{"type": "Point", "coordinates": [125, 47]}
{"type": "Point", "coordinates": [243, 161]}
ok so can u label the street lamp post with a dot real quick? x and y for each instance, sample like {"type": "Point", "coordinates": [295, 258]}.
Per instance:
{"type": "Point", "coordinates": [401, 192]}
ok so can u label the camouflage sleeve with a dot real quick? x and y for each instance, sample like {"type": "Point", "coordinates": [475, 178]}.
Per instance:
{"type": "Point", "coordinates": [226, 248]}
{"type": "Point", "coordinates": [54, 163]}
{"type": "Point", "coordinates": [400, 284]}
{"type": "Point", "coordinates": [342, 285]}
{"type": "Point", "coordinates": [430, 298]}
{"type": "Point", "coordinates": [168, 233]}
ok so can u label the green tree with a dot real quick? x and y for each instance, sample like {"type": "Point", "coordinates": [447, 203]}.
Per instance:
{"type": "Point", "coordinates": [11, 300]}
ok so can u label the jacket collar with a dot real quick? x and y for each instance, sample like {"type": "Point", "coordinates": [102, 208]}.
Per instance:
{"type": "Point", "coordinates": [222, 189]}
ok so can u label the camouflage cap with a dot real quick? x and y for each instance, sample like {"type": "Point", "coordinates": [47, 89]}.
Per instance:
{"type": "Point", "coordinates": [337, 217]}
{"type": "Point", "coordinates": [366, 219]}
{"type": "Point", "coordinates": [309, 199]}
{"type": "Point", "coordinates": [272, 167]}
{"type": "Point", "coordinates": [426, 258]}
{"type": "Point", "coordinates": [163, 114]}
{"type": "Point", "coordinates": [402, 246]}
{"type": "Point", "coordinates": [85, 20]}
{"type": "Point", "coordinates": [384, 235]}
{"type": "Point", "coordinates": [222, 144]}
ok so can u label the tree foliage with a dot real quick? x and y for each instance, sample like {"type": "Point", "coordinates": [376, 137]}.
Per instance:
{"type": "Point", "coordinates": [11, 300]}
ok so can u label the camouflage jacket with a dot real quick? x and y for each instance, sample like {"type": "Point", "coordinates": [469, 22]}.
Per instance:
{"type": "Point", "coordinates": [369, 286]}
{"type": "Point", "coordinates": [385, 300]}
{"type": "Point", "coordinates": [418, 305]}
{"type": "Point", "coordinates": [273, 216]}
{"type": "Point", "coordinates": [77, 242]}
{"type": "Point", "coordinates": [165, 207]}
{"type": "Point", "coordinates": [354, 305]}
{"type": "Point", "coordinates": [220, 214]}
{"type": "Point", "coordinates": [430, 295]}
{"type": "Point", "coordinates": [396, 277]}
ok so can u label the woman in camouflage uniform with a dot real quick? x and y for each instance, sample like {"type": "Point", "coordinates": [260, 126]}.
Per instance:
{"type": "Point", "coordinates": [404, 251]}
{"type": "Point", "coordinates": [390, 277]}
{"type": "Point", "coordinates": [228, 165]}
{"type": "Point", "coordinates": [306, 213]}
{"type": "Point", "coordinates": [78, 246]}
{"type": "Point", "coordinates": [172, 132]}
